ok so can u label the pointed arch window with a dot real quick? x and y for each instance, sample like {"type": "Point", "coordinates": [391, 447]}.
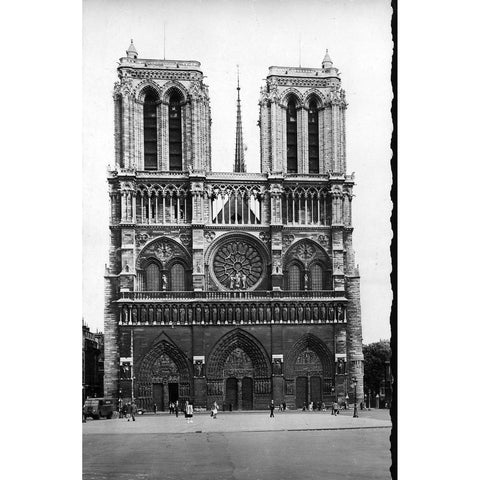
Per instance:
{"type": "Point", "coordinates": [313, 157]}
{"type": "Point", "coordinates": [177, 278]}
{"type": "Point", "coordinates": [291, 137]}
{"type": "Point", "coordinates": [150, 131]}
{"type": "Point", "coordinates": [152, 275]}
{"type": "Point", "coordinates": [294, 277]}
{"type": "Point", "coordinates": [316, 277]}
{"type": "Point", "coordinates": [175, 132]}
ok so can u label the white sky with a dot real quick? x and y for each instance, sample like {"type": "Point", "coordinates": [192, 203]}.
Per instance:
{"type": "Point", "coordinates": [255, 35]}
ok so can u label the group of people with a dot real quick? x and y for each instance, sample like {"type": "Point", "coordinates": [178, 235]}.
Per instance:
{"type": "Point", "coordinates": [128, 411]}
{"type": "Point", "coordinates": [312, 406]}
{"type": "Point", "coordinates": [173, 408]}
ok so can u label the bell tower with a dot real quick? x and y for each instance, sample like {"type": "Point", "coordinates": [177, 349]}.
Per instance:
{"type": "Point", "coordinates": [162, 115]}
{"type": "Point", "coordinates": [302, 144]}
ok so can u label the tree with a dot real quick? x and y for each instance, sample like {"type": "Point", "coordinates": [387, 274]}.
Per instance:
{"type": "Point", "coordinates": [376, 372]}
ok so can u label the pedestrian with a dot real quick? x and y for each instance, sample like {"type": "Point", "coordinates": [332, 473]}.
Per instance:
{"type": "Point", "coordinates": [176, 408]}
{"type": "Point", "coordinates": [284, 405]}
{"type": "Point", "coordinates": [189, 412]}
{"type": "Point", "coordinates": [335, 408]}
{"type": "Point", "coordinates": [310, 407]}
{"type": "Point", "coordinates": [124, 410]}
{"type": "Point", "coordinates": [170, 408]}
{"type": "Point", "coordinates": [155, 408]}
{"type": "Point", "coordinates": [272, 408]}
{"type": "Point", "coordinates": [214, 410]}
{"type": "Point", "coordinates": [134, 410]}
{"type": "Point", "coordinates": [323, 406]}
{"type": "Point", "coordinates": [128, 412]}
{"type": "Point", "coordinates": [304, 406]}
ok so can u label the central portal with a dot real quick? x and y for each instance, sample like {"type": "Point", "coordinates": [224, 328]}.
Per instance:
{"type": "Point", "coordinates": [231, 397]}
{"type": "Point", "coordinates": [238, 373]}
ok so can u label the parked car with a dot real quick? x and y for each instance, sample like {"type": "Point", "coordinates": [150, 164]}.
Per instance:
{"type": "Point", "coordinates": [98, 407]}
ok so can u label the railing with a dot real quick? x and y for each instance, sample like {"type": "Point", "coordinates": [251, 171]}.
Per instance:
{"type": "Point", "coordinates": [235, 295]}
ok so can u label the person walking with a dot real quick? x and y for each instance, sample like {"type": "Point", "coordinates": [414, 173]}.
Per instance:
{"type": "Point", "coordinates": [284, 405]}
{"type": "Point", "coordinates": [176, 408]}
{"type": "Point", "coordinates": [134, 410]}
{"type": "Point", "coordinates": [336, 409]}
{"type": "Point", "coordinates": [189, 412]}
{"type": "Point", "coordinates": [155, 408]}
{"type": "Point", "coordinates": [128, 411]}
{"type": "Point", "coordinates": [272, 408]}
{"type": "Point", "coordinates": [214, 410]}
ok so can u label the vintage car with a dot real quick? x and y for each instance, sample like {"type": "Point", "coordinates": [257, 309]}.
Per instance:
{"type": "Point", "coordinates": [98, 407]}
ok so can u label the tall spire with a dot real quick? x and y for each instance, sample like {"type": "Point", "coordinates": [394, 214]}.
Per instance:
{"type": "Point", "coordinates": [239, 165]}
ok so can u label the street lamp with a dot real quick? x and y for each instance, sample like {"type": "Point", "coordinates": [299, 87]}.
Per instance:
{"type": "Point", "coordinates": [334, 399]}
{"type": "Point", "coordinates": [355, 411]}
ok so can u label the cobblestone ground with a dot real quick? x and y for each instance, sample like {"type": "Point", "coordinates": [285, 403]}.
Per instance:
{"type": "Point", "coordinates": [239, 446]}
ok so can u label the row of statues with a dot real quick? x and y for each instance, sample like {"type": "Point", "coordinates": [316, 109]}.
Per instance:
{"type": "Point", "coordinates": [230, 313]}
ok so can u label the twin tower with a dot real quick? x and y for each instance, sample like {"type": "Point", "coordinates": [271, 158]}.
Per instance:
{"type": "Point", "coordinates": [232, 287]}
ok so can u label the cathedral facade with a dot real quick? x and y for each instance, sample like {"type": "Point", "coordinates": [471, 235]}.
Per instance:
{"type": "Point", "coordinates": [232, 287]}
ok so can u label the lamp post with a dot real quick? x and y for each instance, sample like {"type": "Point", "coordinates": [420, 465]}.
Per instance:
{"type": "Point", "coordinates": [334, 399]}
{"type": "Point", "coordinates": [355, 410]}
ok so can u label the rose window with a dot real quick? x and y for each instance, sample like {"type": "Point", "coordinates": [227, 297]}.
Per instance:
{"type": "Point", "coordinates": [237, 265]}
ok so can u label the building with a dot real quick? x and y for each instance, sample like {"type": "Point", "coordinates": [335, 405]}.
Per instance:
{"type": "Point", "coordinates": [92, 363]}
{"type": "Point", "coordinates": [232, 287]}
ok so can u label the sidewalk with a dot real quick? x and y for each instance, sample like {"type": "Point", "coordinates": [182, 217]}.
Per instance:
{"type": "Point", "coordinates": [253, 421]}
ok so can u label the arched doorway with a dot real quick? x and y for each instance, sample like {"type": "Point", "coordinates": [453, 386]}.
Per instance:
{"type": "Point", "coordinates": [309, 368]}
{"type": "Point", "coordinates": [238, 372]}
{"type": "Point", "coordinates": [163, 377]}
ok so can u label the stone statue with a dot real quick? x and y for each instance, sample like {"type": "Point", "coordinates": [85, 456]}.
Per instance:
{"type": "Point", "coordinates": [232, 281]}
{"type": "Point", "coordinates": [305, 280]}
{"type": "Point", "coordinates": [164, 282]}
{"type": "Point", "coordinates": [237, 280]}
{"type": "Point", "coordinates": [244, 281]}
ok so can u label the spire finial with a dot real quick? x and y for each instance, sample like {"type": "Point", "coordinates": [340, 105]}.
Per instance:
{"type": "Point", "coordinates": [239, 165]}
{"type": "Point", "coordinates": [327, 61]}
{"type": "Point", "coordinates": [132, 51]}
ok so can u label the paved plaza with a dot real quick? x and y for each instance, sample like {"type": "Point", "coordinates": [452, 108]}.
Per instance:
{"type": "Point", "coordinates": [237, 446]}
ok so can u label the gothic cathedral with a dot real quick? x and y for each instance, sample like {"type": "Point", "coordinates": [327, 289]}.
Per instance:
{"type": "Point", "coordinates": [233, 287]}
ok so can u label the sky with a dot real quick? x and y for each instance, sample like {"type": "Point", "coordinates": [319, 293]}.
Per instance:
{"type": "Point", "coordinates": [255, 35]}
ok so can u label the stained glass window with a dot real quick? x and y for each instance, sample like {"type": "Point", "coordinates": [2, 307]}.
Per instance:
{"type": "Point", "coordinates": [178, 278]}
{"type": "Point", "coordinates": [153, 278]}
{"type": "Point", "coordinates": [316, 277]}
{"type": "Point", "coordinates": [294, 277]}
